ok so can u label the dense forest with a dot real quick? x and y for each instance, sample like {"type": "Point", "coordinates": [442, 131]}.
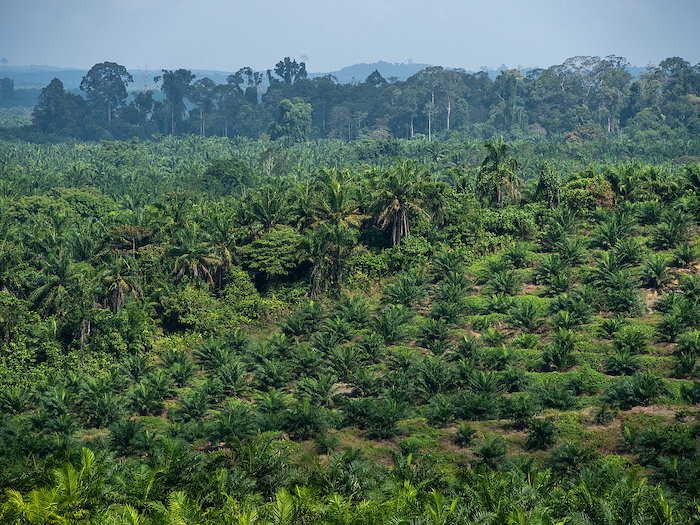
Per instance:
{"type": "Point", "coordinates": [585, 97]}
{"type": "Point", "coordinates": [449, 300]}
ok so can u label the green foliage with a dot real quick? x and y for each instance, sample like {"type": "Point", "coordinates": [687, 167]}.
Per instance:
{"type": "Point", "coordinates": [209, 315]}
{"type": "Point", "coordinates": [639, 389]}
{"type": "Point", "coordinates": [275, 253]}
{"type": "Point", "coordinates": [540, 435]}
{"type": "Point", "coordinates": [393, 323]}
{"type": "Point", "coordinates": [464, 435]}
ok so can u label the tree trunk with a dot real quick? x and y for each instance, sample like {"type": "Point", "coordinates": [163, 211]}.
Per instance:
{"type": "Point", "coordinates": [449, 108]}
{"type": "Point", "coordinates": [430, 135]}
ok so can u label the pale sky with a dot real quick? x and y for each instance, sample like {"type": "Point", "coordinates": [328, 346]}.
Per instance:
{"type": "Point", "coordinates": [330, 34]}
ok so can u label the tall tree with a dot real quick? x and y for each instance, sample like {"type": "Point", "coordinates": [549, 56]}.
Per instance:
{"type": "Point", "coordinates": [57, 111]}
{"type": "Point", "coordinates": [290, 71]}
{"type": "Point", "coordinates": [398, 192]}
{"type": "Point", "coordinates": [202, 95]}
{"type": "Point", "coordinates": [176, 86]}
{"type": "Point", "coordinates": [105, 86]}
{"type": "Point", "coordinates": [293, 121]}
{"type": "Point", "coordinates": [497, 173]}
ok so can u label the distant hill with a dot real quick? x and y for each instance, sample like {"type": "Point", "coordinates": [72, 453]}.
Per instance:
{"type": "Point", "coordinates": [36, 77]}
{"type": "Point", "coordinates": [359, 72]}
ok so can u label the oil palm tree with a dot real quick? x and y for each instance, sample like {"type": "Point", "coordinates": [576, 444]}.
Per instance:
{"type": "Point", "coordinates": [267, 207]}
{"type": "Point", "coordinates": [334, 203]}
{"type": "Point", "coordinates": [61, 275]}
{"type": "Point", "coordinates": [194, 254]}
{"type": "Point", "coordinates": [397, 193]}
{"type": "Point", "coordinates": [496, 176]}
{"type": "Point", "coordinates": [121, 281]}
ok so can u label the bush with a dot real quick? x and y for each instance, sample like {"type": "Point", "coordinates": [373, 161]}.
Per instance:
{"type": "Point", "coordinates": [633, 338]}
{"type": "Point", "coordinates": [540, 435]}
{"type": "Point", "coordinates": [628, 392]}
{"type": "Point", "coordinates": [376, 417]}
{"type": "Point", "coordinates": [684, 255]}
{"type": "Point", "coordinates": [493, 451]}
{"type": "Point", "coordinates": [464, 435]}
{"type": "Point", "coordinates": [505, 282]}
{"type": "Point", "coordinates": [570, 458]}
{"type": "Point", "coordinates": [408, 290]}
{"type": "Point", "coordinates": [621, 362]}
{"type": "Point", "coordinates": [655, 272]}
{"type": "Point", "coordinates": [393, 323]}
{"type": "Point", "coordinates": [559, 353]}
{"type": "Point", "coordinates": [432, 332]}
{"type": "Point", "coordinates": [525, 314]}
{"type": "Point", "coordinates": [520, 409]}
{"type": "Point", "coordinates": [553, 395]}
{"type": "Point", "coordinates": [304, 321]}
{"type": "Point", "coordinates": [306, 420]}
{"type": "Point", "coordinates": [440, 411]}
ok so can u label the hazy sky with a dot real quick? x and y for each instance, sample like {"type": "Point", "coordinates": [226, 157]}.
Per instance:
{"type": "Point", "coordinates": [330, 34]}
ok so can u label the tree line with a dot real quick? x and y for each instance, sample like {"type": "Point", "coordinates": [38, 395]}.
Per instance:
{"type": "Point", "coordinates": [584, 97]}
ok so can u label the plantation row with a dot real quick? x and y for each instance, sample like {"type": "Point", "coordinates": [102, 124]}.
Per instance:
{"type": "Point", "coordinates": [406, 341]}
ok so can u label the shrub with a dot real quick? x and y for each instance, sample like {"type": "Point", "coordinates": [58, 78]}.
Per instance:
{"type": "Point", "coordinates": [493, 337]}
{"type": "Point", "coordinates": [450, 312]}
{"type": "Point", "coordinates": [236, 421]}
{"type": "Point", "coordinates": [622, 294]}
{"type": "Point", "coordinates": [655, 272]}
{"type": "Point", "coordinates": [434, 376]}
{"type": "Point", "coordinates": [520, 409]}
{"type": "Point", "coordinates": [569, 458]}
{"type": "Point", "coordinates": [433, 331]}
{"type": "Point", "coordinates": [553, 395]}
{"type": "Point", "coordinates": [634, 338]}
{"type": "Point", "coordinates": [572, 251]}
{"type": "Point", "coordinates": [628, 392]}
{"type": "Point", "coordinates": [306, 420]}
{"type": "Point", "coordinates": [550, 267]}
{"type": "Point", "coordinates": [518, 255]}
{"type": "Point", "coordinates": [493, 451]}
{"type": "Point", "coordinates": [672, 230]}
{"type": "Point", "coordinates": [393, 323]}
{"type": "Point", "coordinates": [559, 353]}
{"type": "Point", "coordinates": [540, 435]}
{"type": "Point", "coordinates": [621, 362]}
{"type": "Point", "coordinates": [684, 255]}
{"type": "Point", "coordinates": [408, 290]}
{"type": "Point", "coordinates": [609, 327]}
{"type": "Point", "coordinates": [505, 282]}
{"type": "Point", "coordinates": [355, 310]}
{"type": "Point", "coordinates": [689, 343]}
{"type": "Point", "coordinates": [447, 262]}
{"type": "Point", "coordinates": [440, 411]}
{"type": "Point", "coordinates": [577, 306]}
{"type": "Point", "coordinates": [464, 435]}
{"type": "Point", "coordinates": [376, 417]}
{"type": "Point", "coordinates": [628, 251]}
{"type": "Point", "coordinates": [525, 314]}
{"type": "Point", "coordinates": [304, 321]}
